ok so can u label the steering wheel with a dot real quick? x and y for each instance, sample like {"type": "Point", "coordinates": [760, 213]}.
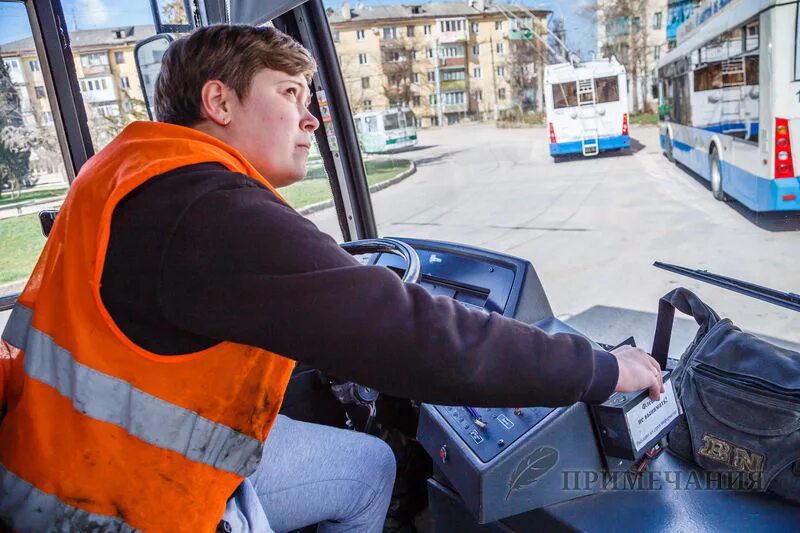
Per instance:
{"type": "Point", "coordinates": [389, 246]}
{"type": "Point", "coordinates": [349, 392]}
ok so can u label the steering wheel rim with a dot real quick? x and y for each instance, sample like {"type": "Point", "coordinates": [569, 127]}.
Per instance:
{"type": "Point", "coordinates": [388, 246]}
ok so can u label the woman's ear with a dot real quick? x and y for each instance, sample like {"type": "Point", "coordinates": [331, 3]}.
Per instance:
{"type": "Point", "coordinates": [215, 102]}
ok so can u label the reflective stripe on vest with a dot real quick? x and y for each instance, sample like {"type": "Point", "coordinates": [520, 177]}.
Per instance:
{"type": "Point", "coordinates": [115, 401]}
{"type": "Point", "coordinates": [35, 510]}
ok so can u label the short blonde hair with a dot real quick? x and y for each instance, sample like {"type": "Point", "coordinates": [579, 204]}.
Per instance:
{"type": "Point", "coordinates": [230, 54]}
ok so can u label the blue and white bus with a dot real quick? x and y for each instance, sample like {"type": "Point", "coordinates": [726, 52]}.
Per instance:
{"type": "Point", "coordinates": [729, 107]}
{"type": "Point", "coordinates": [586, 107]}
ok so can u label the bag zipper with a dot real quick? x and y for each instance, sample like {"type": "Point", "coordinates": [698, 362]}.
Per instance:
{"type": "Point", "coordinates": [747, 383]}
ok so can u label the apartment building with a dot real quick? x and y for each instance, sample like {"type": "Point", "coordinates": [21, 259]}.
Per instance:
{"type": "Point", "coordinates": [636, 34]}
{"type": "Point", "coordinates": [445, 61]}
{"type": "Point", "coordinates": [106, 69]}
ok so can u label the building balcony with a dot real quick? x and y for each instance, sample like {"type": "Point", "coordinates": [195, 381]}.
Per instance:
{"type": "Point", "coordinates": [96, 69]}
{"type": "Point", "coordinates": [453, 85]}
{"type": "Point", "coordinates": [452, 36]}
{"type": "Point", "coordinates": [454, 108]}
{"type": "Point", "coordinates": [452, 62]}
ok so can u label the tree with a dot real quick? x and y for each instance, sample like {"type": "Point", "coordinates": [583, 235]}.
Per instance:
{"type": "Point", "coordinates": [521, 73]}
{"type": "Point", "coordinates": [626, 29]}
{"type": "Point", "coordinates": [173, 12]}
{"type": "Point", "coordinates": [105, 127]}
{"type": "Point", "coordinates": [14, 138]}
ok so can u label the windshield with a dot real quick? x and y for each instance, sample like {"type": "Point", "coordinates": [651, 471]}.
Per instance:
{"type": "Point", "coordinates": [690, 160]}
{"type": "Point", "coordinates": [496, 169]}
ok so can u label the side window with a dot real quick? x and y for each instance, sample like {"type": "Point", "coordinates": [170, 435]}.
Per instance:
{"type": "Point", "coordinates": [33, 176]}
{"type": "Point", "coordinates": [797, 46]}
{"type": "Point", "coordinates": [112, 95]}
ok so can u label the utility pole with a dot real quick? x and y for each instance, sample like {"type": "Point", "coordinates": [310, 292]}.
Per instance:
{"type": "Point", "coordinates": [494, 76]}
{"type": "Point", "coordinates": [439, 115]}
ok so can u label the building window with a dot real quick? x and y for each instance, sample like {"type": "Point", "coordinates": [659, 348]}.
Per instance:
{"type": "Point", "coordinates": [107, 110]}
{"type": "Point", "coordinates": [431, 77]}
{"type": "Point", "coordinates": [656, 52]}
{"type": "Point", "coordinates": [429, 52]}
{"type": "Point", "coordinates": [432, 99]}
{"type": "Point", "coordinates": [94, 60]}
{"type": "Point", "coordinates": [498, 24]}
{"type": "Point", "coordinates": [360, 35]}
{"type": "Point", "coordinates": [34, 65]}
{"type": "Point", "coordinates": [452, 51]}
{"type": "Point", "coordinates": [476, 73]}
{"type": "Point", "coordinates": [363, 59]}
{"type": "Point", "coordinates": [501, 71]}
{"type": "Point", "coordinates": [335, 36]}
{"type": "Point", "coordinates": [415, 77]}
{"type": "Point", "coordinates": [500, 48]}
{"type": "Point", "coordinates": [409, 31]}
{"type": "Point", "coordinates": [124, 82]}
{"type": "Point", "coordinates": [392, 57]}
{"type": "Point", "coordinates": [451, 25]}
{"type": "Point", "coordinates": [413, 55]}
{"type": "Point", "coordinates": [475, 27]}
{"type": "Point", "coordinates": [454, 98]}
{"type": "Point", "coordinates": [452, 75]}
{"type": "Point", "coordinates": [476, 49]}
{"type": "Point", "coordinates": [39, 90]}
{"type": "Point", "coordinates": [368, 105]}
{"type": "Point", "coordinates": [501, 94]}
{"type": "Point", "coordinates": [94, 85]}
{"type": "Point", "coordinates": [637, 23]}
{"type": "Point", "coordinates": [119, 58]}
{"type": "Point", "coordinates": [426, 29]}
{"type": "Point", "coordinates": [390, 33]}
{"type": "Point", "coordinates": [417, 100]}
{"type": "Point", "coordinates": [478, 95]}
{"type": "Point", "coordinates": [12, 65]}
{"type": "Point", "coordinates": [657, 20]}
{"type": "Point", "coordinates": [365, 83]}
{"type": "Point", "coordinates": [47, 117]}
{"type": "Point", "coordinates": [395, 81]}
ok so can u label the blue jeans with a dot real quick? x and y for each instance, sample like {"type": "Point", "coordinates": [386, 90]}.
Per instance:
{"type": "Point", "coordinates": [315, 474]}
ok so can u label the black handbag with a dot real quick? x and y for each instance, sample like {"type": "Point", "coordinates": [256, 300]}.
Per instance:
{"type": "Point", "coordinates": [741, 400]}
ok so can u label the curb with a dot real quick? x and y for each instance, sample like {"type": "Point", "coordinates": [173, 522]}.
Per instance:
{"type": "Point", "coordinates": [313, 208]}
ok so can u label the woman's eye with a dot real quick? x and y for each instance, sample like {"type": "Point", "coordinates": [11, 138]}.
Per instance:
{"type": "Point", "coordinates": [292, 91]}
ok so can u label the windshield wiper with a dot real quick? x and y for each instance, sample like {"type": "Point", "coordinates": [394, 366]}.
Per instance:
{"type": "Point", "coordinates": [789, 300]}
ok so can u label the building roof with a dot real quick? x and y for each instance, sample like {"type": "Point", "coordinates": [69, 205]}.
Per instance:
{"type": "Point", "coordinates": [103, 37]}
{"type": "Point", "coordinates": [433, 10]}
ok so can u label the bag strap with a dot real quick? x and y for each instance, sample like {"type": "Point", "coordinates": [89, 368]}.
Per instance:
{"type": "Point", "coordinates": [686, 302]}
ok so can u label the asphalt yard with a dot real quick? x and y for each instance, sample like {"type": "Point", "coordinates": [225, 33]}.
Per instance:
{"type": "Point", "coordinates": [592, 227]}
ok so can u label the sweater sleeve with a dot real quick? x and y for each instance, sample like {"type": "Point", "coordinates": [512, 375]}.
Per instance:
{"type": "Point", "coordinates": [241, 266]}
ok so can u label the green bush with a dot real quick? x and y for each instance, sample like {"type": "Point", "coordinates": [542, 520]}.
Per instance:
{"type": "Point", "coordinates": [644, 118]}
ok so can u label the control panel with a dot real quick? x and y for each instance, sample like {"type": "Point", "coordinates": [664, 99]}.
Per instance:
{"type": "Point", "coordinates": [488, 431]}
{"type": "Point", "coordinates": [501, 461]}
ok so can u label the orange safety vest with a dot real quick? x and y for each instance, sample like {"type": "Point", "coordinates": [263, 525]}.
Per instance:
{"type": "Point", "coordinates": [98, 431]}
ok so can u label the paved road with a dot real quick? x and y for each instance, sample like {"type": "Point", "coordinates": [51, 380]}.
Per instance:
{"type": "Point", "coordinates": [592, 227]}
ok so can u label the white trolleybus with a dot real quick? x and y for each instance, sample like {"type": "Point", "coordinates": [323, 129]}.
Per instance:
{"type": "Point", "coordinates": [384, 131]}
{"type": "Point", "coordinates": [729, 107]}
{"type": "Point", "coordinates": [587, 107]}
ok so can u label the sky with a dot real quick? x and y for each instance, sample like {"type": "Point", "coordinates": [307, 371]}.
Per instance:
{"type": "Point", "coordinates": [89, 14]}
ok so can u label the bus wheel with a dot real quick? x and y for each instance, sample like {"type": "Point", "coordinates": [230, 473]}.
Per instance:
{"type": "Point", "coordinates": [716, 176]}
{"type": "Point", "coordinates": [668, 148]}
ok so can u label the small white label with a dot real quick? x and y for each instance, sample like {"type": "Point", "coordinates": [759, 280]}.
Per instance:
{"type": "Point", "coordinates": [649, 417]}
{"type": "Point", "coordinates": [503, 419]}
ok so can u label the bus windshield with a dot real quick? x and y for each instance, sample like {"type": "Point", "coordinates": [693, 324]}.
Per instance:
{"type": "Point", "coordinates": [473, 131]}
